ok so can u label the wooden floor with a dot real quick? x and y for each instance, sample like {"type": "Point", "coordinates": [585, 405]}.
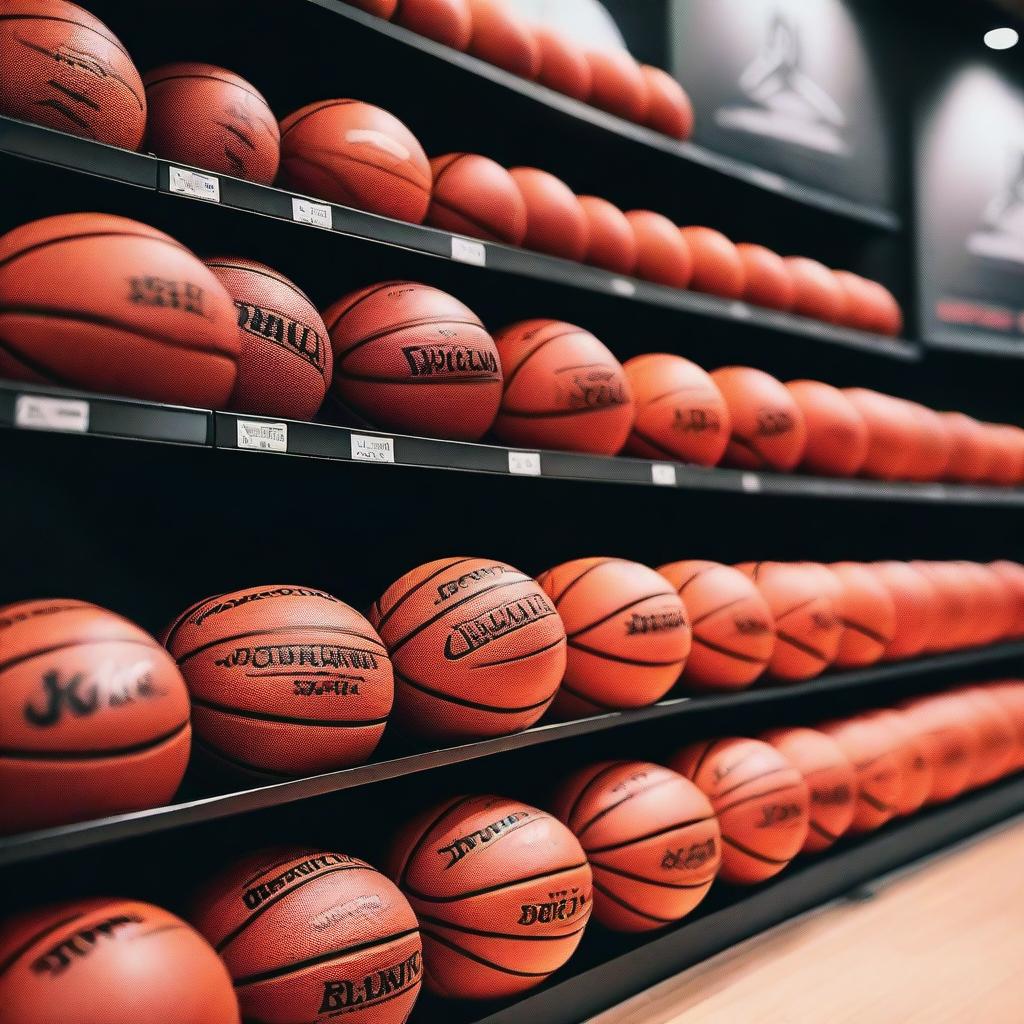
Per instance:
{"type": "Point", "coordinates": [941, 945]}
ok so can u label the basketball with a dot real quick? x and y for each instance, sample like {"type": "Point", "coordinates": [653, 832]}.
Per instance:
{"type": "Point", "coordinates": [617, 84]}
{"type": "Point", "coordinates": [502, 891]}
{"type": "Point", "coordinates": [996, 611]}
{"type": "Point", "coordinates": [768, 428]}
{"type": "Point", "coordinates": [837, 436]}
{"type": "Point", "coordinates": [953, 605]}
{"type": "Point", "coordinates": [1012, 575]}
{"type": "Point", "coordinates": [650, 836]}
{"type": "Point", "coordinates": [563, 65]}
{"type": "Point", "coordinates": [768, 280]}
{"type": "Point", "coordinates": [445, 21]}
{"type": "Point", "coordinates": [65, 69]}
{"type": "Point", "coordinates": [110, 961]}
{"type": "Point", "coordinates": [892, 434]}
{"type": "Point", "coordinates": [413, 358]}
{"type": "Point", "coordinates": [381, 8]}
{"type": "Point", "coordinates": [867, 614]}
{"type": "Point", "coordinates": [968, 459]}
{"type": "Point", "coordinates": [358, 155]}
{"type": "Point", "coordinates": [94, 716]}
{"type": "Point", "coordinates": [950, 745]}
{"type": "Point", "coordinates": [612, 244]}
{"type": "Point", "coordinates": [502, 38]}
{"type": "Point", "coordinates": [478, 648]}
{"type": "Point", "coordinates": [669, 109]}
{"type": "Point", "coordinates": [107, 304]}
{"type": "Point", "coordinates": [732, 624]}
{"type": "Point", "coordinates": [1007, 463]}
{"type": "Point", "coordinates": [807, 629]}
{"type": "Point", "coordinates": [286, 363]}
{"type": "Point", "coordinates": [831, 782]}
{"type": "Point", "coordinates": [873, 750]}
{"type": "Point", "coordinates": [885, 315]}
{"type": "Point", "coordinates": [914, 757]}
{"type": "Point", "coordinates": [627, 631]}
{"type": "Point", "coordinates": [761, 801]}
{"type": "Point", "coordinates": [555, 221]}
{"type": "Point", "coordinates": [859, 301]}
{"type": "Point", "coordinates": [934, 444]}
{"type": "Point", "coordinates": [717, 265]}
{"type": "Point", "coordinates": [563, 390]}
{"type": "Point", "coordinates": [997, 735]}
{"type": "Point", "coordinates": [915, 607]}
{"type": "Point", "coordinates": [662, 255]}
{"type": "Point", "coordinates": [1009, 694]}
{"type": "Point", "coordinates": [818, 294]}
{"type": "Point", "coordinates": [207, 116]}
{"type": "Point", "coordinates": [475, 196]}
{"type": "Point", "coordinates": [680, 413]}
{"type": "Point", "coordinates": [308, 934]}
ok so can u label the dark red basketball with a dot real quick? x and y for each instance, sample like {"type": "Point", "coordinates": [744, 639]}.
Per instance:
{"type": "Point", "coordinates": [476, 196]}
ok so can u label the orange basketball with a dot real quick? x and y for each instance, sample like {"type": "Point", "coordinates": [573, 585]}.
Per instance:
{"type": "Point", "coordinates": [1009, 694]}
{"type": "Point", "coordinates": [478, 197]}
{"type": "Point", "coordinates": [884, 313]}
{"type": "Point", "coordinates": [617, 84]}
{"type": "Point", "coordinates": [867, 614]}
{"type": "Point", "coordinates": [831, 782]}
{"type": "Point", "coordinates": [358, 155]}
{"type": "Point", "coordinates": [208, 116]}
{"type": "Point", "coordinates": [892, 434]}
{"type": "Point", "coordinates": [994, 606]}
{"type": "Point", "coordinates": [504, 39]}
{"type": "Point", "coordinates": [612, 243]}
{"type": "Point", "coordinates": [381, 8]}
{"type": "Point", "coordinates": [768, 280]}
{"type": "Point", "coordinates": [761, 800]}
{"type": "Point", "coordinates": [873, 750]}
{"type": "Point", "coordinates": [717, 265]}
{"type": "Point", "coordinates": [1012, 575]}
{"type": "Point", "coordinates": [934, 445]}
{"type": "Point", "coordinates": [110, 961]}
{"type": "Point", "coordinates": [93, 714]}
{"type": "Point", "coordinates": [445, 21]}
{"type": "Point", "coordinates": [950, 744]}
{"type": "Point", "coordinates": [555, 221]}
{"type": "Point", "coordinates": [563, 64]}
{"type": "Point", "coordinates": [807, 630]}
{"type": "Point", "coordinates": [968, 458]}
{"type": "Point", "coordinates": [818, 294]}
{"type": "Point", "coordinates": [997, 735]}
{"type": "Point", "coordinates": [953, 606]}
{"type": "Point", "coordinates": [503, 892]}
{"type": "Point", "coordinates": [309, 934]}
{"type": "Point", "coordinates": [915, 760]}
{"type": "Point", "coordinates": [768, 428]}
{"type": "Point", "coordinates": [65, 69]}
{"type": "Point", "coordinates": [837, 436]}
{"type": "Point", "coordinates": [1007, 461]}
{"type": "Point", "coordinates": [651, 837]}
{"type": "Point", "coordinates": [669, 109]}
{"type": "Point", "coordinates": [662, 254]}
{"type": "Point", "coordinates": [627, 632]}
{"type": "Point", "coordinates": [733, 627]}
{"type": "Point", "coordinates": [563, 389]}
{"type": "Point", "coordinates": [286, 363]}
{"type": "Point", "coordinates": [413, 358]}
{"type": "Point", "coordinates": [284, 680]}
{"type": "Point", "coordinates": [680, 413]}
{"type": "Point", "coordinates": [108, 304]}
{"type": "Point", "coordinates": [478, 649]}
{"type": "Point", "coordinates": [859, 301]}
{"type": "Point", "coordinates": [915, 606]}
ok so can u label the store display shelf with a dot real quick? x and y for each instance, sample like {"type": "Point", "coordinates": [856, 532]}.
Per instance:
{"type": "Point", "coordinates": [31, 846]}
{"type": "Point", "coordinates": [971, 344]}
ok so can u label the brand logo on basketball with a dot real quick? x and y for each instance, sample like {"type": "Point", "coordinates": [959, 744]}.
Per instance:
{"type": "Point", "coordinates": [480, 837]}
{"type": "Point", "coordinates": [832, 795]}
{"type": "Point", "coordinates": [696, 421]}
{"type": "Point", "coordinates": [630, 783]}
{"type": "Point", "coordinates": [655, 622]}
{"type": "Point", "coordinates": [823, 620]}
{"type": "Point", "coordinates": [469, 636]}
{"type": "Point", "coordinates": [560, 906]}
{"type": "Point", "coordinates": [282, 330]}
{"type": "Point", "coordinates": [362, 908]}
{"type": "Point", "coordinates": [775, 814]}
{"type": "Point", "coordinates": [161, 291]}
{"type": "Point", "coordinates": [687, 858]}
{"type": "Point", "coordinates": [73, 59]}
{"type": "Point", "coordinates": [342, 995]}
{"type": "Point", "coordinates": [59, 958]}
{"type": "Point", "coordinates": [589, 387]}
{"type": "Point", "coordinates": [79, 694]}
{"type": "Point", "coordinates": [258, 894]}
{"type": "Point", "coordinates": [261, 595]}
{"type": "Point", "coordinates": [750, 627]}
{"type": "Point", "coordinates": [312, 656]}
{"type": "Point", "coordinates": [450, 588]}
{"type": "Point", "coordinates": [35, 613]}
{"type": "Point", "coordinates": [773, 422]}
{"type": "Point", "coordinates": [446, 359]}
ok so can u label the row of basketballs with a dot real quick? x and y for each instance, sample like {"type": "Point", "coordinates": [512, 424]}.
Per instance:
{"type": "Point", "coordinates": [284, 681]}
{"type": "Point", "coordinates": [471, 884]}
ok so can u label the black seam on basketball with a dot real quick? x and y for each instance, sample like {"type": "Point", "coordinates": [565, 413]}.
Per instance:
{"type": "Point", "coordinates": [714, 611]}
{"type": "Point", "coordinates": [180, 659]}
{"type": "Point", "coordinates": [533, 351]}
{"type": "Point", "coordinates": [453, 378]}
{"type": "Point", "coordinates": [811, 652]}
{"type": "Point", "coordinates": [54, 104]}
{"type": "Point", "coordinates": [586, 788]}
{"type": "Point", "coordinates": [796, 608]}
{"type": "Point", "coordinates": [367, 293]}
{"type": "Point", "coordinates": [300, 965]}
{"type": "Point", "coordinates": [581, 830]}
{"type": "Point", "coordinates": [675, 827]}
{"type": "Point", "coordinates": [551, 414]}
{"type": "Point", "coordinates": [748, 445]}
{"type": "Point", "coordinates": [696, 576]}
{"type": "Point", "coordinates": [48, 375]}
{"type": "Point", "coordinates": [728, 652]}
{"type": "Point", "coordinates": [35, 246]}
{"type": "Point", "coordinates": [872, 801]}
{"type": "Point", "coordinates": [385, 615]}
{"type": "Point", "coordinates": [427, 919]}
{"type": "Point", "coordinates": [754, 796]}
{"type": "Point", "coordinates": [176, 625]}
{"type": "Point", "coordinates": [823, 832]}
{"type": "Point", "coordinates": [170, 927]}
{"type": "Point", "coordinates": [508, 884]}
{"type": "Point", "coordinates": [21, 16]}
{"type": "Point", "coordinates": [628, 906]}
{"type": "Point", "coordinates": [462, 702]}
{"type": "Point", "coordinates": [480, 960]}
{"type": "Point", "coordinates": [293, 858]}
{"type": "Point", "coordinates": [651, 881]}
{"type": "Point", "coordinates": [576, 645]}
{"type": "Point", "coordinates": [422, 321]}
{"type": "Point", "coordinates": [93, 754]}
{"type": "Point", "coordinates": [455, 158]}
{"type": "Point", "coordinates": [346, 157]}
{"type": "Point", "coordinates": [699, 389]}
{"type": "Point", "coordinates": [518, 657]}
{"type": "Point", "coordinates": [326, 105]}
{"type": "Point", "coordinates": [587, 699]}
{"type": "Point", "coordinates": [18, 953]}
{"type": "Point", "coordinates": [711, 744]}
{"type": "Point", "coordinates": [746, 851]}
{"type": "Point", "coordinates": [558, 598]}
{"type": "Point", "coordinates": [40, 651]}
{"type": "Point", "coordinates": [453, 804]}
{"type": "Point", "coordinates": [264, 716]}
{"type": "Point", "coordinates": [657, 445]}
{"type": "Point", "coordinates": [611, 615]}
{"type": "Point", "coordinates": [858, 627]}
{"type": "Point", "coordinates": [490, 234]}
{"type": "Point", "coordinates": [216, 78]}
{"type": "Point", "coordinates": [223, 263]}
{"type": "Point", "coordinates": [215, 752]}
{"type": "Point", "coordinates": [756, 778]}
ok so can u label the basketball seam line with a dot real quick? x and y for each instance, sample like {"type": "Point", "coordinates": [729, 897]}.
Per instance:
{"type": "Point", "coordinates": [799, 606]}
{"type": "Point", "coordinates": [572, 583]}
{"type": "Point", "coordinates": [518, 657]}
{"type": "Point", "coordinates": [649, 835]}
{"type": "Point", "coordinates": [533, 351]}
{"type": "Point", "coordinates": [427, 919]}
{"type": "Point", "coordinates": [696, 576]}
{"type": "Point", "coordinates": [702, 758]}
{"type": "Point", "coordinates": [18, 953]}
{"type": "Point", "coordinates": [651, 881]}
{"type": "Point", "coordinates": [728, 652]}
{"type": "Point", "coordinates": [180, 659]}
{"type": "Point", "coordinates": [91, 642]}
{"type": "Point", "coordinates": [367, 293]}
{"type": "Point", "coordinates": [480, 960]}
{"type": "Point", "coordinates": [746, 851]}
{"type": "Point", "coordinates": [865, 631]}
{"type": "Point", "coordinates": [269, 273]}
{"type": "Point", "coordinates": [585, 789]}
{"type": "Point", "coordinates": [658, 447]}
{"type": "Point", "coordinates": [453, 378]}
{"type": "Point", "coordinates": [272, 126]}
{"type": "Point", "coordinates": [822, 831]}
{"type": "Point", "coordinates": [385, 615]}
{"type": "Point", "coordinates": [756, 778]}
{"type": "Point", "coordinates": [754, 796]}
{"type": "Point", "coordinates": [93, 754]}
{"type": "Point", "coordinates": [79, 236]}
{"type": "Point", "coordinates": [347, 157]}
{"type": "Point", "coordinates": [549, 414]}
{"type": "Point", "coordinates": [804, 648]}
{"type": "Point", "coordinates": [266, 716]}
{"type": "Point", "coordinates": [587, 699]}
{"type": "Point", "coordinates": [873, 801]}
{"type": "Point", "coordinates": [617, 611]}
{"type": "Point", "coordinates": [177, 624]}
{"type": "Point", "coordinates": [453, 804]}
{"type": "Point", "coordinates": [294, 857]}
{"type": "Point", "coordinates": [633, 910]}
{"type": "Point", "coordinates": [404, 325]}
{"type": "Point", "coordinates": [48, 376]}
{"type": "Point", "coordinates": [507, 884]}
{"type": "Point", "coordinates": [620, 659]}
{"type": "Point", "coordinates": [326, 105]}
{"type": "Point", "coordinates": [618, 803]}
{"type": "Point", "coordinates": [490, 234]}
{"type": "Point", "coordinates": [721, 608]}
{"type": "Point", "coordinates": [463, 702]}
{"type": "Point", "coordinates": [214, 751]}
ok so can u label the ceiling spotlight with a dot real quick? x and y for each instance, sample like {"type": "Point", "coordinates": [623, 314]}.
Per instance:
{"type": "Point", "coordinates": [1001, 38]}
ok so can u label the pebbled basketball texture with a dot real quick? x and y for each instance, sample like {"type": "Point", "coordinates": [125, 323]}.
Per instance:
{"type": "Point", "coordinates": [478, 197]}
{"type": "Point", "coordinates": [873, 750]}
{"type": "Point", "coordinates": [612, 241]}
{"type": "Point", "coordinates": [110, 961]}
{"type": "Point", "coordinates": [88, 300]}
{"type": "Point", "coordinates": [208, 116]}
{"type": "Point", "coordinates": [563, 64]}
{"type": "Point", "coordinates": [445, 21]}
{"type": "Point", "coordinates": [65, 69]}
{"type": "Point", "coordinates": [285, 680]}
{"type": "Point", "coordinates": [555, 221]}
{"type": "Point", "coordinates": [617, 84]}
{"type": "Point", "coordinates": [93, 713]}
{"type": "Point", "coordinates": [502, 890]}
{"type": "Point", "coordinates": [867, 614]}
{"type": "Point", "coordinates": [477, 647]}
{"type": "Point", "coordinates": [504, 39]}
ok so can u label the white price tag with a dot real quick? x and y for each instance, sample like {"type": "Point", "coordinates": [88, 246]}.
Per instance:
{"type": "Point", "coordinates": [663, 473]}
{"type": "Point", "coordinates": [465, 250]}
{"type": "Point", "coordinates": [373, 449]}
{"type": "Point", "coordinates": [195, 184]}
{"type": "Point", "coordinates": [739, 310]}
{"type": "Point", "coordinates": [751, 483]}
{"type": "Point", "coordinates": [524, 463]}
{"type": "Point", "coordinates": [305, 211]}
{"type": "Point", "coordinates": [262, 437]}
{"type": "Point", "coordinates": [766, 179]}
{"type": "Point", "coordinates": [623, 286]}
{"type": "Point", "coordinates": [34, 412]}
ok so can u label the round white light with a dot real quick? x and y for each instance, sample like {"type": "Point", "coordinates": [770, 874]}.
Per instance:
{"type": "Point", "coordinates": [1001, 38]}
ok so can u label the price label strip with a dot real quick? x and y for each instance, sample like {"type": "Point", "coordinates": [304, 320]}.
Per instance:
{"type": "Point", "coordinates": [255, 435]}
